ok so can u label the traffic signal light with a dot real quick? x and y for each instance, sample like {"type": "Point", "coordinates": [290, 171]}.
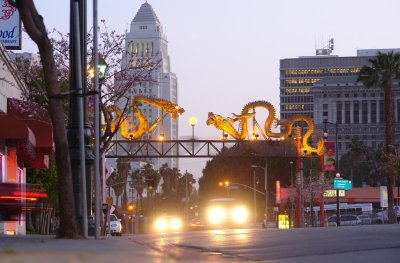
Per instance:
{"type": "Point", "coordinates": [131, 207]}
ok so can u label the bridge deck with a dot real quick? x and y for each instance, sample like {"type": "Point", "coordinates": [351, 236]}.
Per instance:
{"type": "Point", "coordinates": [199, 148]}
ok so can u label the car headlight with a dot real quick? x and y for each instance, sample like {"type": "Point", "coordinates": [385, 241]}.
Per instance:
{"type": "Point", "coordinates": [161, 225]}
{"type": "Point", "coordinates": [216, 215]}
{"type": "Point", "coordinates": [176, 224]}
{"type": "Point", "coordinates": [239, 215]}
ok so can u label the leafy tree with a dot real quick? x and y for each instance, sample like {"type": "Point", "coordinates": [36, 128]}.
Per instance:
{"type": "Point", "coordinates": [383, 70]}
{"type": "Point", "coordinates": [351, 161]}
{"type": "Point", "coordinates": [114, 86]}
{"type": "Point", "coordinates": [50, 79]}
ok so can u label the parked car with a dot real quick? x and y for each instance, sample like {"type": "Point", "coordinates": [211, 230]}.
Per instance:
{"type": "Point", "coordinates": [345, 220]}
{"type": "Point", "coordinates": [382, 216]}
{"type": "Point", "coordinates": [365, 219]}
{"type": "Point", "coordinates": [115, 226]}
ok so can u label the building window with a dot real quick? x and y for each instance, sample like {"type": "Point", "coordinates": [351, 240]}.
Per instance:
{"type": "Point", "coordinates": [347, 112]}
{"type": "Point", "coordinates": [356, 112]}
{"type": "Point", "coordinates": [381, 111]}
{"type": "Point", "coordinates": [364, 112]}
{"type": "Point", "coordinates": [142, 27]}
{"type": "Point", "coordinates": [339, 112]}
{"type": "Point", "coordinates": [373, 111]}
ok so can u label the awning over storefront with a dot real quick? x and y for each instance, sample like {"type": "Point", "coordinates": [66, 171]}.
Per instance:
{"type": "Point", "coordinates": [15, 129]}
{"type": "Point", "coordinates": [29, 128]}
{"type": "Point", "coordinates": [36, 119]}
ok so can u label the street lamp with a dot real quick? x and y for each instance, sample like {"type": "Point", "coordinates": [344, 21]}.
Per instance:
{"type": "Point", "coordinates": [101, 66]}
{"type": "Point", "coordinates": [254, 196]}
{"type": "Point", "coordinates": [193, 122]}
{"type": "Point", "coordinates": [336, 166]}
{"type": "Point", "coordinates": [265, 187]}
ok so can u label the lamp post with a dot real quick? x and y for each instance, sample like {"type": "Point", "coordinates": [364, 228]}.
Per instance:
{"type": "Point", "coordinates": [186, 198]}
{"type": "Point", "coordinates": [336, 167]}
{"type": "Point", "coordinates": [291, 184]}
{"type": "Point", "coordinates": [97, 76]}
{"type": "Point", "coordinates": [193, 122]}
{"type": "Point", "coordinates": [78, 129]}
{"type": "Point", "coordinates": [254, 196]}
{"type": "Point", "coordinates": [265, 187]}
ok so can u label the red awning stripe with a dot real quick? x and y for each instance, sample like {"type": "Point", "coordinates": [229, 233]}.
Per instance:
{"type": "Point", "coordinates": [13, 129]}
{"type": "Point", "coordinates": [37, 119]}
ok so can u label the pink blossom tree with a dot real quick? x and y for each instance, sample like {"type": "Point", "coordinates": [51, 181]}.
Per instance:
{"type": "Point", "coordinates": [48, 82]}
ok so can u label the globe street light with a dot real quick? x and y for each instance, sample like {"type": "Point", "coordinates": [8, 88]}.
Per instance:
{"type": "Point", "coordinates": [193, 122]}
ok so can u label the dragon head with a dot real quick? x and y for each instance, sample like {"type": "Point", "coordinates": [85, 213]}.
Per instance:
{"type": "Point", "coordinates": [177, 112]}
{"type": "Point", "coordinates": [212, 118]}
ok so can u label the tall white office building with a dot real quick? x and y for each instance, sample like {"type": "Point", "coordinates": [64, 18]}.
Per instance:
{"type": "Point", "coordinates": [146, 39]}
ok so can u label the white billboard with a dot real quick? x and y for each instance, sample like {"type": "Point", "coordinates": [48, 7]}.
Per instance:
{"type": "Point", "coordinates": [383, 196]}
{"type": "Point", "coordinates": [10, 26]}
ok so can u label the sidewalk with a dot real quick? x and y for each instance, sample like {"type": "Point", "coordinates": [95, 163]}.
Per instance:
{"type": "Point", "coordinates": [32, 249]}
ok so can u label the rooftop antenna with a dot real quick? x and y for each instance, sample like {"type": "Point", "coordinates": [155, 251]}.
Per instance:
{"type": "Point", "coordinates": [327, 49]}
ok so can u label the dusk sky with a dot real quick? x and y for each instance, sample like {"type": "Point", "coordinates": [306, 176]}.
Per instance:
{"type": "Point", "coordinates": [226, 53]}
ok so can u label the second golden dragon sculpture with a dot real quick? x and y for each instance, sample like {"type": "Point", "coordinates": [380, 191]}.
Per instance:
{"type": "Point", "coordinates": [142, 125]}
{"type": "Point", "coordinates": [248, 111]}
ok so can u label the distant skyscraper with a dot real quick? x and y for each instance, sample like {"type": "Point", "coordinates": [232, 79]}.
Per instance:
{"type": "Point", "coordinates": [325, 88]}
{"type": "Point", "coordinates": [144, 40]}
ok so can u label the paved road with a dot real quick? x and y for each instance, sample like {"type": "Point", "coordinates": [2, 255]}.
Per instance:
{"type": "Point", "coordinates": [374, 243]}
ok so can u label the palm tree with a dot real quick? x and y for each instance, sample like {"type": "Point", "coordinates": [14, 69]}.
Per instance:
{"type": "Point", "coordinates": [170, 180]}
{"type": "Point", "coordinates": [123, 169]}
{"type": "Point", "coordinates": [117, 183]}
{"type": "Point", "coordinates": [382, 72]}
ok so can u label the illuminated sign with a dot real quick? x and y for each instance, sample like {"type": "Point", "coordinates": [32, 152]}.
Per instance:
{"type": "Point", "coordinates": [278, 192]}
{"type": "Point", "coordinates": [332, 193]}
{"type": "Point", "coordinates": [10, 26]}
{"type": "Point", "coordinates": [283, 221]}
{"type": "Point", "coordinates": [342, 184]}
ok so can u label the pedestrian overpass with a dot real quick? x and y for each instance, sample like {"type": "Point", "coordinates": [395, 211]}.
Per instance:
{"type": "Point", "coordinates": [200, 148]}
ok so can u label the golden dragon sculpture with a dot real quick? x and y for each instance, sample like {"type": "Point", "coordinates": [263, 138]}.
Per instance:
{"type": "Point", "coordinates": [248, 111]}
{"type": "Point", "coordinates": [142, 125]}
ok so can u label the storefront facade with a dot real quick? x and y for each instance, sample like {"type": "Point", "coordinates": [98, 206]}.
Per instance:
{"type": "Point", "coordinates": [26, 139]}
